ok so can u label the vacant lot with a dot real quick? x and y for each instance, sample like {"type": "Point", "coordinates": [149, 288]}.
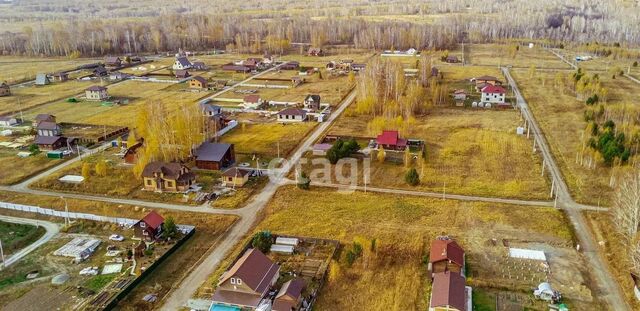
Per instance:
{"type": "Point", "coordinates": [15, 69]}
{"type": "Point", "coordinates": [25, 97]}
{"type": "Point", "coordinates": [13, 168]}
{"type": "Point", "coordinates": [17, 236]}
{"type": "Point", "coordinates": [499, 55]}
{"type": "Point", "coordinates": [266, 140]}
{"type": "Point", "coordinates": [561, 117]}
{"type": "Point", "coordinates": [394, 276]}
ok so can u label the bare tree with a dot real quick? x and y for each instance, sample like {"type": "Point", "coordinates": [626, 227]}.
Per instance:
{"type": "Point", "coordinates": [626, 215]}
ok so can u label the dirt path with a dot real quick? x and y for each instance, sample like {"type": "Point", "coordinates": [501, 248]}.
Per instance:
{"type": "Point", "coordinates": [51, 228]}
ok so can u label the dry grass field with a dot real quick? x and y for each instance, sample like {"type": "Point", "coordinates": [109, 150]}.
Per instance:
{"type": "Point", "coordinates": [498, 55]}
{"type": "Point", "coordinates": [560, 115]}
{"type": "Point", "coordinates": [14, 69]}
{"type": "Point", "coordinates": [262, 139]}
{"type": "Point", "coordinates": [13, 168]}
{"type": "Point", "coordinates": [394, 276]}
{"type": "Point", "coordinates": [25, 97]}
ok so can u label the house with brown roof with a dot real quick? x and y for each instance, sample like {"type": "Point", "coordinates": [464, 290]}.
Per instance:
{"type": "Point", "coordinates": [149, 228]}
{"type": "Point", "coordinates": [42, 118]}
{"type": "Point", "coordinates": [247, 282]}
{"type": "Point", "coordinates": [199, 66]}
{"type": "Point", "coordinates": [47, 128]}
{"type": "Point", "coordinates": [182, 74]}
{"type": "Point", "coordinates": [290, 296]}
{"type": "Point", "coordinates": [235, 177]}
{"type": "Point", "coordinates": [446, 255]}
{"type": "Point", "coordinates": [113, 61]}
{"type": "Point", "coordinates": [459, 95]}
{"type": "Point", "coordinates": [448, 292]}
{"type": "Point", "coordinates": [315, 52]}
{"type": "Point", "coordinates": [252, 102]}
{"type": "Point", "coordinates": [96, 92]}
{"type": "Point", "coordinates": [167, 177]}
{"type": "Point", "coordinates": [50, 142]}
{"type": "Point", "coordinates": [60, 76]}
{"type": "Point", "coordinates": [130, 155]}
{"type": "Point", "coordinates": [312, 102]}
{"type": "Point", "coordinates": [291, 65]}
{"type": "Point", "coordinates": [483, 81]}
{"type": "Point", "coordinates": [214, 156]}
{"type": "Point", "coordinates": [236, 68]}
{"type": "Point", "coordinates": [198, 82]}
{"type": "Point", "coordinates": [4, 89]}
{"type": "Point", "coordinates": [452, 59]}
{"type": "Point", "coordinates": [292, 115]}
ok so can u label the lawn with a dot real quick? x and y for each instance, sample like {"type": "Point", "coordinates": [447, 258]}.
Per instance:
{"type": "Point", "coordinates": [394, 276]}
{"type": "Point", "coordinates": [265, 139]}
{"type": "Point", "coordinates": [17, 236]}
{"type": "Point", "coordinates": [561, 117]}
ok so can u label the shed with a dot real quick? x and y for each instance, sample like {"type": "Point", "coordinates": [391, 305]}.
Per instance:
{"type": "Point", "coordinates": [55, 155]}
{"type": "Point", "coordinates": [42, 79]}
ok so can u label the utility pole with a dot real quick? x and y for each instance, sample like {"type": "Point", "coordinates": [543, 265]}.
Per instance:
{"type": "Point", "coordinates": [66, 210]}
{"type": "Point", "coordinates": [2, 254]}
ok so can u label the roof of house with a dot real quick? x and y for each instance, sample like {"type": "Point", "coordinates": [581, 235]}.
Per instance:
{"type": "Point", "coordinates": [255, 269]}
{"type": "Point", "coordinates": [47, 125]}
{"type": "Point", "coordinates": [315, 98]}
{"type": "Point", "coordinates": [4, 84]}
{"type": "Point", "coordinates": [153, 220]}
{"type": "Point", "coordinates": [200, 79]}
{"type": "Point", "coordinates": [323, 147]}
{"type": "Point", "coordinates": [100, 71]}
{"type": "Point", "coordinates": [41, 78]}
{"type": "Point", "coordinates": [169, 170]}
{"type": "Point", "coordinates": [460, 91]}
{"type": "Point", "coordinates": [112, 59]}
{"type": "Point", "coordinates": [60, 74]}
{"type": "Point", "coordinates": [211, 151]}
{"type": "Point", "coordinates": [231, 66]}
{"type": "Point", "coordinates": [448, 289]}
{"type": "Point", "coordinates": [198, 64]}
{"type": "Point", "coordinates": [96, 88]}
{"type": "Point", "coordinates": [47, 140]}
{"type": "Point", "coordinates": [288, 295]}
{"type": "Point", "coordinates": [236, 298]}
{"type": "Point", "coordinates": [493, 89]}
{"type": "Point", "coordinates": [182, 73]}
{"type": "Point", "coordinates": [487, 78]}
{"type": "Point", "coordinates": [235, 172]}
{"type": "Point", "coordinates": [391, 138]}
{"type": "Point", "coordinates": [206, 107]}
{"type": "Point", "coordinates": [292, 112]}
{"type": "Point", "coordinates": [446, 249]}
{"type": "Point", "coordinates": [251, 98]}
{"type": "Point", "coordinates": [315, 50]}
{"type": "Point", "coordinates": [183, 61]}
{"type": "Point", "coordinates": [452, 57]}
{"type": "Point", "coordinates": [44, 117]}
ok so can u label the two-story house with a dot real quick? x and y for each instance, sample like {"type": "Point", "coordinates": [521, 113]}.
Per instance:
{"type": "Point", "coordinates": [167, 177]}
{"type": "Point", "coordinates": [149, 228]}
{"type": "Point", "coordinates": [96, 92]}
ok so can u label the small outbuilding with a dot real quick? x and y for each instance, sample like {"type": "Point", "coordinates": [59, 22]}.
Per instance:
{"type": "Point", "coordinates": [4, 89]}
{"type": "Point", "coordinates": [198, 82]}
{"type": "Point", "coordinates": [42, 79]}
{"type": "Point", "coordinates": [235, 177]}
{"type": "Point", "coordinates": [214, 156]}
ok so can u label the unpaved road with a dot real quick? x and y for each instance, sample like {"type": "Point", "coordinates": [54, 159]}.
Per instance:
{"type": "Point", "coordinates": [52, 230]}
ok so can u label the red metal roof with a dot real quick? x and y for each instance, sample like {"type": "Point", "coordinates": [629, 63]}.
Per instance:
{"type": "Point", "coordinates": [492, 89]}
{"type": "Point", "coordinates": [446, 250]}
{"type": "Point", "coordinates": [153, 220]}
{"type": "Point", "coordinates": [390, 138]}
{"type": "Point", "coordinates": [448, 290]}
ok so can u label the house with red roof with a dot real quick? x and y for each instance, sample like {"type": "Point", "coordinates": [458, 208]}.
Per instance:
{"type": "Point", "coordinates": [448, 292]}
{"type": "Point", "coordinates": [247, 282]}
{"type": "Point", "coordinates": [446, 255]}
{"type": "Point", "coordinates": [252, 101]}
{"type": "Point", "coordinates": [493, 94]}
{"type": "Point", "coordinates": [391, 140]}
{"type": "Point", "coordinates": [149, 227]}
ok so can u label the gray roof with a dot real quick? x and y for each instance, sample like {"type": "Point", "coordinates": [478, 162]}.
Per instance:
{"type": "Point", "coordinates": [45, 117]}
{"type": "Point", "coordinates": [210, 108]}
{"type": "Point", "coordinates": [47, 125]}
{"type": "Point", "coordinates": [211, 151]}
{"type": "Point", "coordinates": [47, 140]}
{"type": "Point", "coordinates": [315, 98]}
{"type": "Point", "coordinates": [183, 61]}
{"type": "Point", "coordinates": [96, 88]}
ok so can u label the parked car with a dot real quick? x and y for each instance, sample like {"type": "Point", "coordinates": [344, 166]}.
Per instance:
{"type": "Point", "coordinates": [116, 237]}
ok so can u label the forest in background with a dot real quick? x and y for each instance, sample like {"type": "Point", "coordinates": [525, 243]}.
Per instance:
{"type": "Point", "coordinates": [93, 28]}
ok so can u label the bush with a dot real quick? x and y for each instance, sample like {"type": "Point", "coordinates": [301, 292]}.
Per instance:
{"type": "Point", "coordinates": [262, 241]}
{"type": "Point", "coordinates": [303, 181]}
{"type": "Point", "coordinates": [635, 64]}
{"type": "Point", "coordinates": [342, 149]}
{"type": "Point", "coordinates": [412, 177]}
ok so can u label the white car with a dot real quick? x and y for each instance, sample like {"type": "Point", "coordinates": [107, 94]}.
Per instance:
{"type": "Point", "coordinates": [116, 237]}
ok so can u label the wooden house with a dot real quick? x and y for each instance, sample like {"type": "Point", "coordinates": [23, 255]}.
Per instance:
{"type": "Point", "coordinates": [214, 156]}
{"type": "Point", "coordinates": [149, 228]}
{"type": "Point", "coordinates": [198, 82]}
{"type": "Point", "coordinates": [446, 255]}
{"type": "Point", "coordinates": [167, 177]}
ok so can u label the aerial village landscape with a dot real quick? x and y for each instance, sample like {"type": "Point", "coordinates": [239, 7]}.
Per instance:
{"type": "Point", "coordinates": [319, 155]}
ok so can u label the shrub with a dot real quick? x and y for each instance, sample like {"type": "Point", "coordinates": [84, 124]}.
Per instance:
{"type": "Point", "coordinates": [412, 177]}
{"type": "Point", "coordinates": [303, 181]}
{"type": "Point", "coordinates": [262, 241]}
{"type": "Point", "coordinates": [342, 149]}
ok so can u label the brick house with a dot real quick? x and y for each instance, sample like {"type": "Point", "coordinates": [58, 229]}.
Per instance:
{"type": "Point", "coordinates": [167, 177]}
{"type": "Point", "coordinates": [198, 82]}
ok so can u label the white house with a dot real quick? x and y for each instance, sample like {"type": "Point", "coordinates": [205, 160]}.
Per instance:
{"type": "Point", "coordinates": [9, 121]}
{"type": "Point", "coordinates": [292, 115]}
{"type": "Point", "coordinates": [252, 102]}
{"type": "Point", "coordinates": [493, 94]}
{"type": "Point", "coordinates": [96, 92]}
{"type": "Point", "coordinates": [182, 63]}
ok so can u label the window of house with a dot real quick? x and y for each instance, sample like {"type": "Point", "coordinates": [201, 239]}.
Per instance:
{"type": "Point", "coordinates": [149, 182]}
{"type": "Point", "coordinates": [143, 225]}
{"type": "Point", "coordinates": [233, 281]}
{"type": "Point", "coordinates": [238, 281]}
{"type": "Point", "coordinates": [145, 233]}
{"type": "Point", "coordinates": [230, 178]}
{"type": "Point", "coordinates": [169, 183]}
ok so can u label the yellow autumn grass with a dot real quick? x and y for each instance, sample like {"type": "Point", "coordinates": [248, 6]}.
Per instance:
{"type": "Point", "coordinates": [262, 138]}
{"type": "Point", "coordinates": [393, 276]}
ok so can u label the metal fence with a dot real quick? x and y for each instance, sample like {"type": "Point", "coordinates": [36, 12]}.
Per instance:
{"type": "Point", "coordinates": [185, 229]}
